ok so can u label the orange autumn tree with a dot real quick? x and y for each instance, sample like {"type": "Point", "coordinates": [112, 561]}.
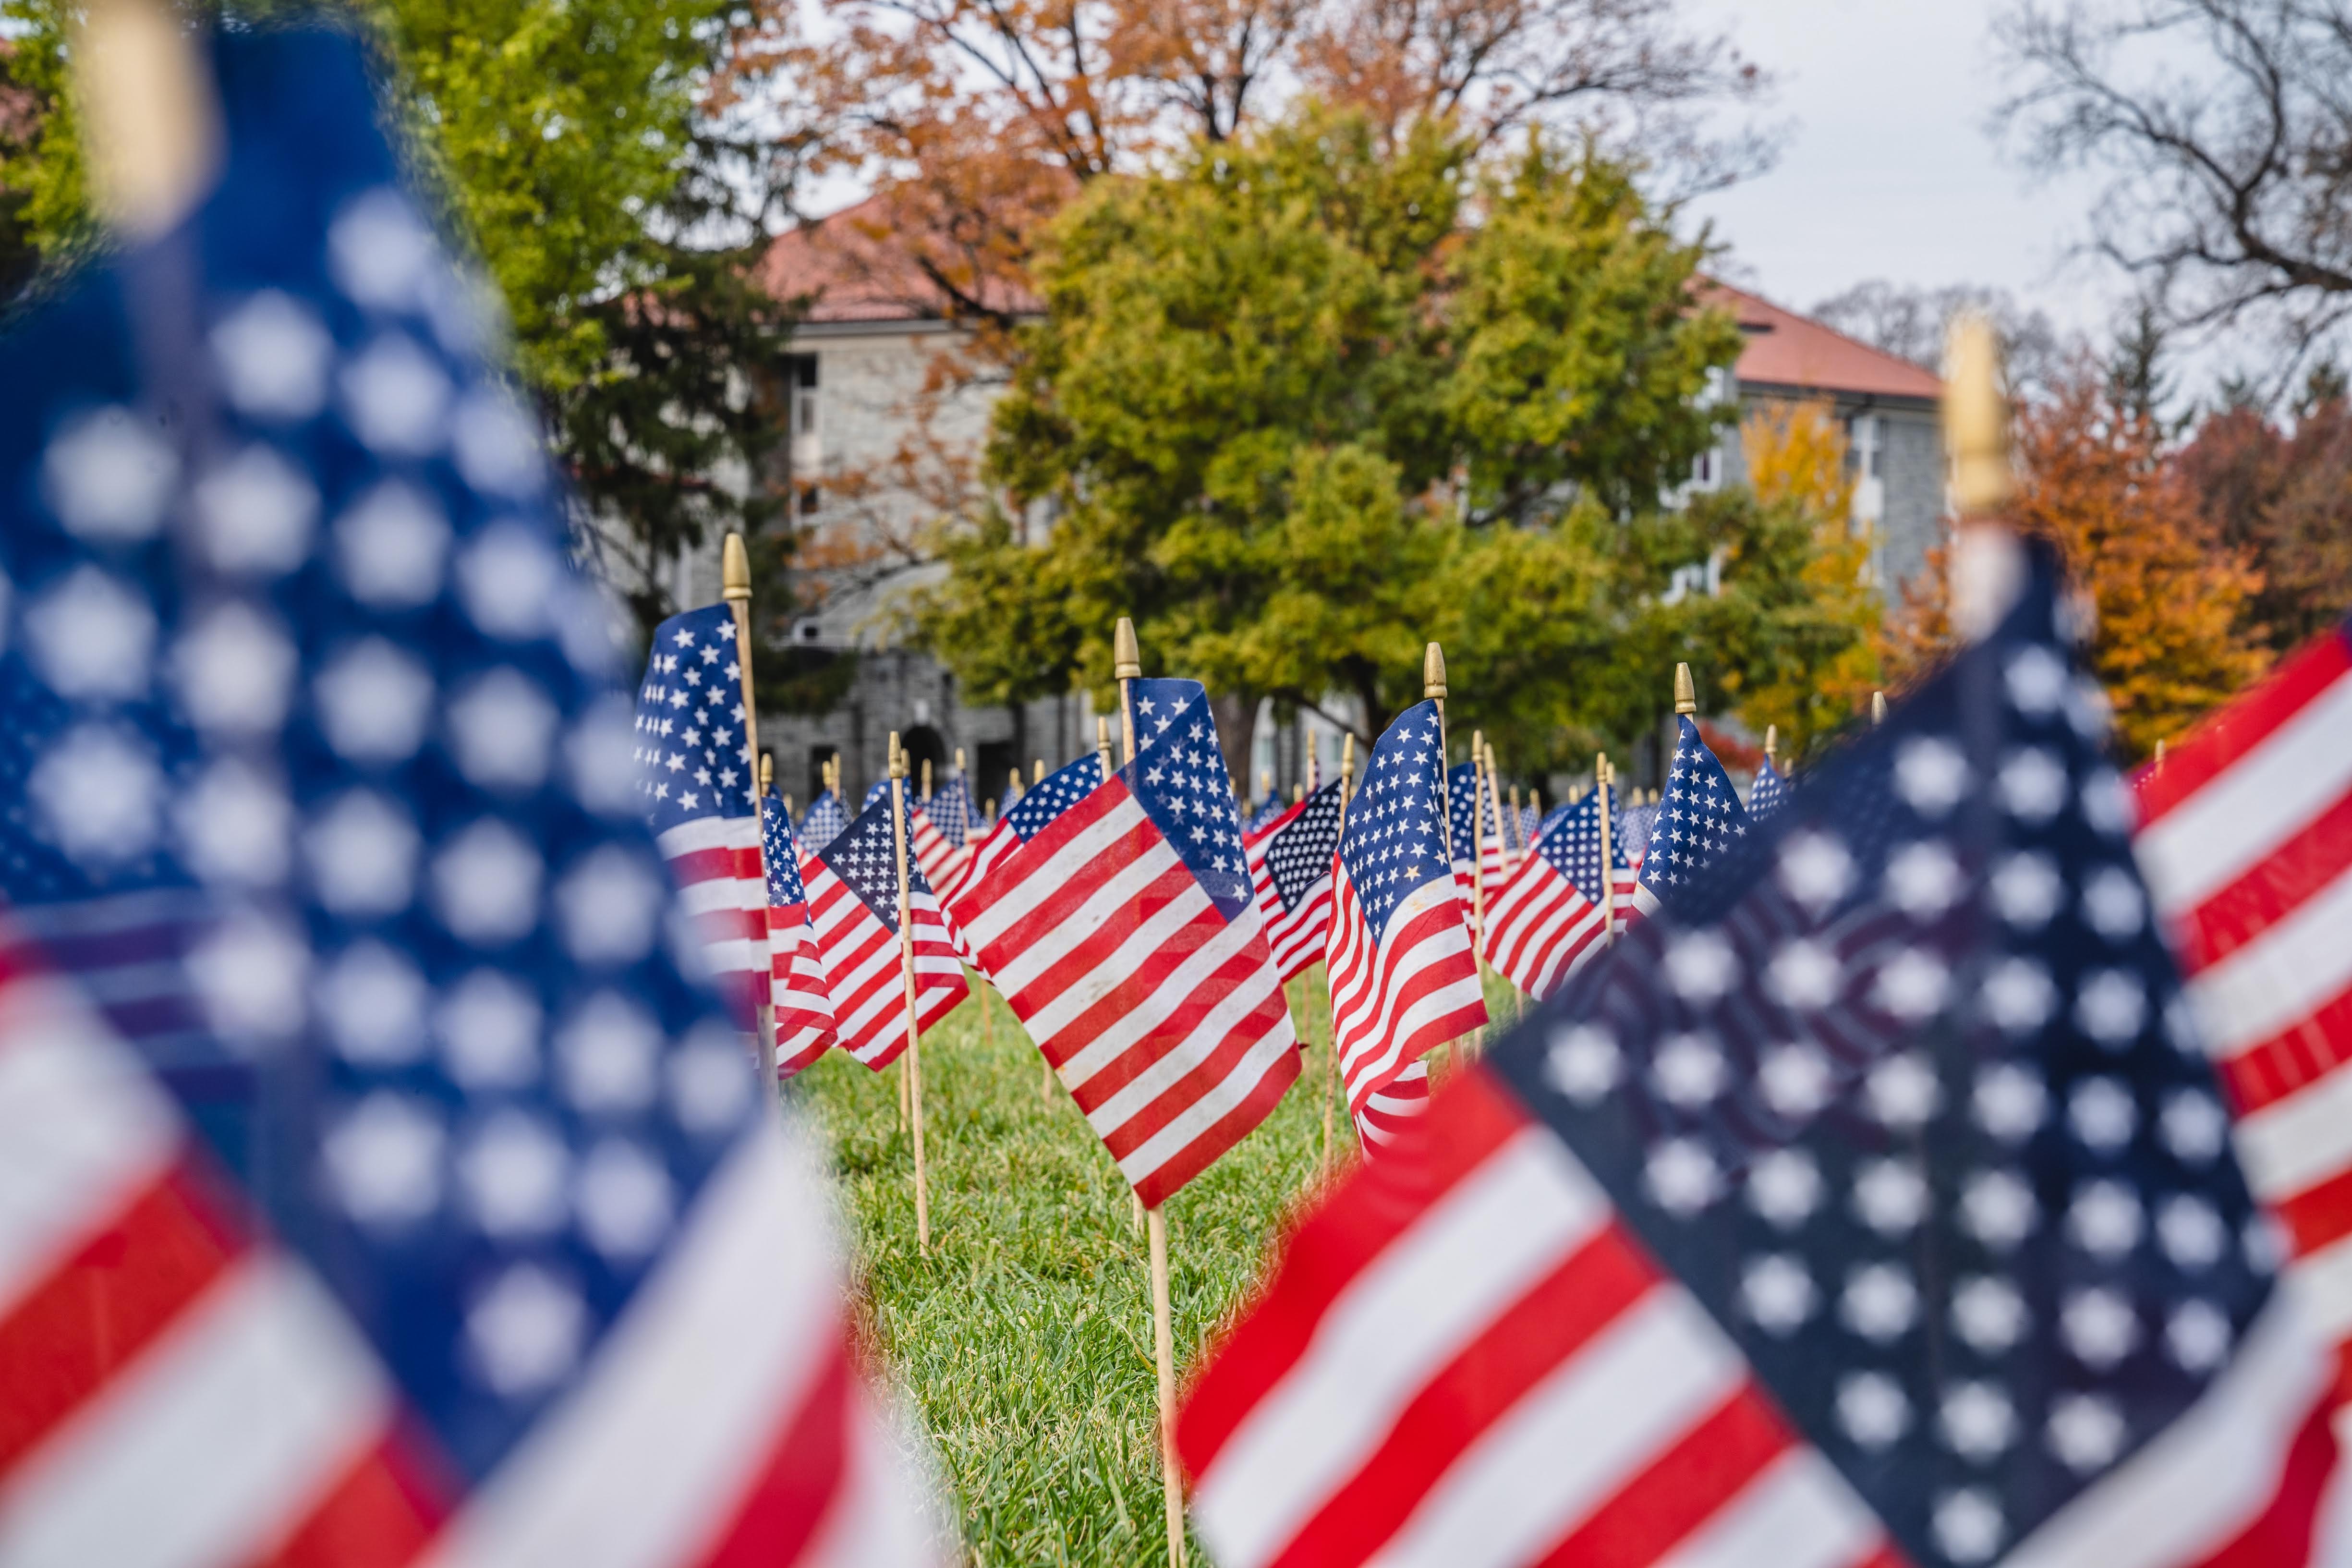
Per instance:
{"type": "Point", "coordinates": [2169, 600]}
{"type": "Point", "coordinates": [1796, 456]}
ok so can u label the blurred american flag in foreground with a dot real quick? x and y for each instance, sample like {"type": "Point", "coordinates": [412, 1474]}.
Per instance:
{"type": "Point", "coordinates": [416, 1199]}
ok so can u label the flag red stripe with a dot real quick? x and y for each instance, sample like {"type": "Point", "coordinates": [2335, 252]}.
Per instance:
{"type": "Point", "coordinates": [382, 1512]}
{"type": "Point", "coordinates": [2318, 1215]}
{"type": "Point", "coordinates": [1675, 1494]}
{"type": "Point", "coordinates": [801, 1476]}
{"type": "Point", "coordinates": [1371, 1207]}
{"type": "Point", "coordinates": [2270, 889]}
{"type": "Point", "coordinates": [2283, 1531]}
{"type": "Point", "coordinates": [1138, 988]}
{"type": "Point", "coordinates": [1559, 1315]}
{"type": "Point", "coordinates": [2226, 736]}
{"type": "Point", "coordinates": [113, 1297]}
{"type": "Point", "coordinates": [2284, 1065]}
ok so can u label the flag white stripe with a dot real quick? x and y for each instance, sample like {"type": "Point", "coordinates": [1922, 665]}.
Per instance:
{"type": "Point", "coordinates": [2280, 978]}
{"type": "Point", "coordinates": [1432, 1290]}
{"type": "Point", "coordinates": [82, 1131]}
{"type": "Point", "coordinates": [1645, 1380]}
{"type": "Point", "coordinates": [2301, 1141]}
{"type": "Point", "coordinates": [2322, 1283]}
{"type": "Point", "coordinates": [1798, 1512]}
{"type": "Point", "coordinates": [657, 1447]}
{"type": "Point", "coordinates": [2202, 1478]}
{"type": "Point", "coordinates": [2256, 804]}
{"type": "Point", "coordinates": [204, 1449]}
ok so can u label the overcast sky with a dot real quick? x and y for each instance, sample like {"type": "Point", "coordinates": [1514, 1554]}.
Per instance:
{"type": "Point", "coordinates": [1891, 170]}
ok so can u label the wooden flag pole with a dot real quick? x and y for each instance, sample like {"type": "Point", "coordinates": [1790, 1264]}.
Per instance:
{"type": "Point", "coordinates": [1432, 687]}
{"type": "Point", "coordinates": [1127, 667]}
{"type": "Point", "coordinates": [1600, 781]}
{"type": "Point", "coordinates": [914, 1056]}
{"type": "Point", "coordinates": [735, 587]}
{"type": "Point", "coordinates": [1331, 1044]}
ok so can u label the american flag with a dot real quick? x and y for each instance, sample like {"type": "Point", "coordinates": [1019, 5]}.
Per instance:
{"type": "Point", "coordinates": [1578, 821]}
{"type": "Point", "coordinates": [1697, 820]}
{"type": "Point", "coordinates": [1477, 836]}
{"type": "Point", "coordinates": [1545, 922]}
{"type": "Point", "coordinates": [1290, 867]}
{"type": "Point", "coordinates": [1768, 794]}
{"type": "Point", "coordinates": [1404, 977]}
{"type": "Point", "coordinates": [700, 788]}
{"type": "Point", "coordinates": [1530, 825]}
{"type": "Point", "coordinates": [852, 896]}
{"type": "Point", "coordinates": [1254, 835]}
{"type": "Point", "coordinates": [2246, 838]}
{"type": "Point", "coordinates": [823, 822]}
{"type": "Point", "coordinates": [497, 1252]}
{"type": "Point", "coordinates": [1834, 1217]}
{"type": "Point", "coordinates": [797, 985]}
{"type": "Point", "coordinates": [1121, 930]}
{"type": "Point", "coordinates": [945, 827]}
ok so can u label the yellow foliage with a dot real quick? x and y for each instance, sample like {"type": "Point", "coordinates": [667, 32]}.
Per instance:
{"type": "Point", "coordinates": [1796, 454]}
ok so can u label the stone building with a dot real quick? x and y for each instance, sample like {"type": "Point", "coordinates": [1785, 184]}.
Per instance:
{"type": "Point", "coordinates": [887, 426]}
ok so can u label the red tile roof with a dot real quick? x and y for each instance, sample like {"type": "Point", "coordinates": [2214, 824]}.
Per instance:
{"type": "Point", "coordinates": [1784, 349]}
{"type": "Point", "coordinates": [850, 263]}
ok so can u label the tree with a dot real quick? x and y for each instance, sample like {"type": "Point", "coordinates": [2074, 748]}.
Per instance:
{"type": "Point", "coordinates": [2283, 498]}
{"type": "Point", "coordinates": [1796, 454]}
{"type": "Point", "coordinates": [1315, 396]}
{"type": "Point", "coordinates": [2221, 126]}
{"type": "Point", "coordinates": [2169, 595]}
{"type": "Point", "coordinates": [586, 157]}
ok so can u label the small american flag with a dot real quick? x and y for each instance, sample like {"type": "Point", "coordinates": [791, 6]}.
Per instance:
{"type": "Point", "coordinates": [1404, 977]}
{"type": "Point", "coordinates": [853, 896]}
{"type": "Point", "coordinates": [1472, 826]}
{"type": "Point", "coordinates": [700, 788]}
{"type": "Point", "coordinates": [822, 822]}
{"type": "Point", "coordinates": [1698, 820]}
{"type": "Point", "coordinates": [1120, 928]}
{"type": "Point", "coordinates": [1261, 817]}
{"type": "Point", "coordinates": [1633, 826]}
{"type": "Point", "coordinates": [797, 989]}
{"type": "Point", "coordinates": [1837, 1216]}
{"type": "Point", "coordinates": [2246, 835]}
{"type": "Point", "coordinates": [497, 1252]}
{"type": "Point", "coordinates": [1578, 825]}
{"type": "Point", "coordinates": [945, 827]}
{"type": "Point", "coordinates": [1545, 922]}
{"type": "Point", "coordinates": [1290, 867]}
{"type": "Point", "coordinates": [1768, 794]}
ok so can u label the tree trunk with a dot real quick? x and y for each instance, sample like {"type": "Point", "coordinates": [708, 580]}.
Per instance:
{"type": "Point", "coordinates": [1236, 715]}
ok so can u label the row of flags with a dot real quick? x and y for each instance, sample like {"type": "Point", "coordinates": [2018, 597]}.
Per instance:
{"type": "Point", "coordinates": [384, 1173]}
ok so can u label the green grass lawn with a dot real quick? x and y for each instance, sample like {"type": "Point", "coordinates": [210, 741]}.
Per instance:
{"type": "Point", "coordinates": [1025, 1339]}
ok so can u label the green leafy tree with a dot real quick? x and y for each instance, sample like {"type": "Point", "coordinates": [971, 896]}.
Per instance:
{"type": "Point", "coordinates": [579, 156]}
{"type": "Point", "coordinates": [1285, 396]}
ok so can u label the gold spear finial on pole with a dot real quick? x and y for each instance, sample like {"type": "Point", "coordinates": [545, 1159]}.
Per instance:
{"type": "Point", "coordinates": [1126, 656]}
{"type": "Point", "coordinates": [149, 121]}
{"type": "Point", "coordinates": [1988, 567]}
{"type": "Point", "coordinates": [767, 772]}
{"type": "Point", "coordinates": [1771, 741]}
{"type": "Point", "coordinates": [1685, 690]}
{"type": "Point", "coordinates": [1976, 419]}
{"type": "Point", "coordinates": [1878, 708]}
{"type": "Point", "coordinates": [1433, 672]}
